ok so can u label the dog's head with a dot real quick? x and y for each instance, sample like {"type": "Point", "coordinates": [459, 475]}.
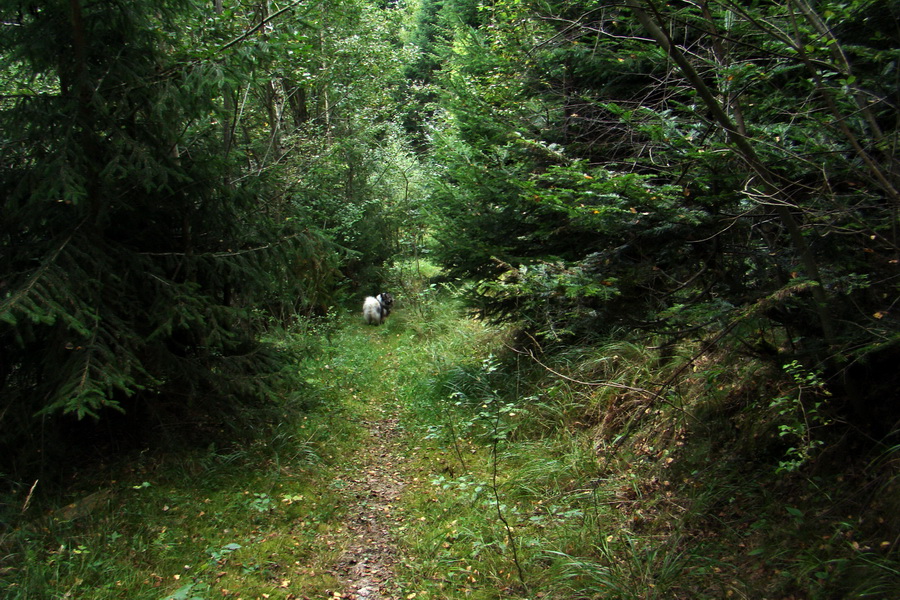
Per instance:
{"type": "Point", "coordinates": [387, 302]}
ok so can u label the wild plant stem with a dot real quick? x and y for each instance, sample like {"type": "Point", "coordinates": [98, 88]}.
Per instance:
{"type": "Point", "coordinates": [459, 455]}
{"type": "Point", "coordinates": [494, 487]}
{"type": "Point", "coordinates": [28, 498]}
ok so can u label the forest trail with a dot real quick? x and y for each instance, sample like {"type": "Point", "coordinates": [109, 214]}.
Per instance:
{"type": "Point", "coordinates": [373, 482]}
{"type": "Point", "coordinates": [366, 375]}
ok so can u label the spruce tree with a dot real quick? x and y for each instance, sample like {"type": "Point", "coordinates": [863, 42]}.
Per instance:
{"type": "Point", "coordinates": [728, 177]}
{"type": "Point", "coordinates": [130, 262]}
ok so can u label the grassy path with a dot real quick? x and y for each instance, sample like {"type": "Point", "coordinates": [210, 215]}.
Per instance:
{"type": "Point", "coordinates": [311, 506]}
{"type": "Point", "coordinates": [385, 378]}
{"type": "Point", "coordinates": [371, 477]}
{"type": "Point", "coordinates": [374, 372]}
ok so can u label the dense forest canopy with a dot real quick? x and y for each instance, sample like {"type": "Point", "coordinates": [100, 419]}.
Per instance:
{"type": "Point", "coordinates": [181, 178]}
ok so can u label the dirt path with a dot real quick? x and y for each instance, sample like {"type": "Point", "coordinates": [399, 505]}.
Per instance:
{"type": "Point", "coordinates": [367, 568]}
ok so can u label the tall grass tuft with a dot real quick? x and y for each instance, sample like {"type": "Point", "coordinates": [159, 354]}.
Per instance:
{"type": "Point", "coordinates": [625, 567]}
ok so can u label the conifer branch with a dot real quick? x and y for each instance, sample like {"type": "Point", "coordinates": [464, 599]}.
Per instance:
{"type": "Point", "coordinates": [227, 253]}
{"type": "Point", "coordinates": [261, 24]}
{"type": "Point", "coordinates": [777, 196]}
{"type": "Point", "coordinates": [8, 304]}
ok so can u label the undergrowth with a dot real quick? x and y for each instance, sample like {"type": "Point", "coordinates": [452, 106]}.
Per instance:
{"type": "Point", "coordinates": [254, 514]}
{"type": "Point", "coordinates": [608, 471]}
{"type": "Point", "coordinates": [602, 471]}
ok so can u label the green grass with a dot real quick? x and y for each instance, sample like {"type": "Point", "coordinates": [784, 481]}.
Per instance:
{"type": "Point", "coordinates": [523, 480]}
{"type": "Point", "coordinates": [201, 522]}
{"type": "Point", "coordinates": [540, 480]}
{"type": "Point", "coordinates": [263, 519]}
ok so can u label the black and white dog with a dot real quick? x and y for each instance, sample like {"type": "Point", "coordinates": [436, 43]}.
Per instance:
{"type": "Point", "coordinates": [376, 310]}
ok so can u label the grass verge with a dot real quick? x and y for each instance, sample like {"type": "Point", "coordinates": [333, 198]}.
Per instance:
{"type": "Point", "coordinates": [574, 476]}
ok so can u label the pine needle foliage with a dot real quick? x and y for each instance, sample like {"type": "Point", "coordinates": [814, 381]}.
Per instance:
{"type": "Point", "coordinates": [736, 159]}
{"type": "Point", "coordinates": [131, 263]}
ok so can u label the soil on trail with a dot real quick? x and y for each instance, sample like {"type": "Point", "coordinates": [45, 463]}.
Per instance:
{"type": "Point", "coordinates": [367, 567]}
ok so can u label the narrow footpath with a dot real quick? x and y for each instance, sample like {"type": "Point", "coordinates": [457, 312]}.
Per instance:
{"type": "Point", "coordinates": [373, 483]}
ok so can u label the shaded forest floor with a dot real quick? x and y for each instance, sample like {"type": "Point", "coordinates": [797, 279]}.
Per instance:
{"type": "Point", "coordinates": [429, 460]}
